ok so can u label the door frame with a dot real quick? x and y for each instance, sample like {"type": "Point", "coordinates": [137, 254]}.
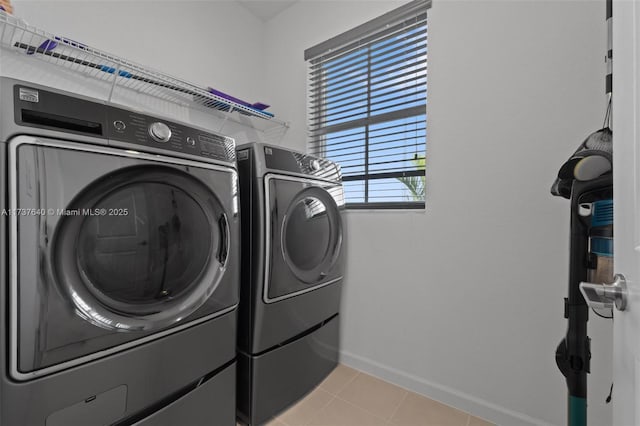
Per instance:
{"type": "Point", "coordinates": [626, 166]}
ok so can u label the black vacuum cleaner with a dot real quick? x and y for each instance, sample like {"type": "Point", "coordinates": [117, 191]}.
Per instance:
{"type": "Point", "coordinates": [586, 180]}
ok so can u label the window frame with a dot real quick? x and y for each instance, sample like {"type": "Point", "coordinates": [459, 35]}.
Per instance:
{"type": "Point", "coordinates": [338, 47]}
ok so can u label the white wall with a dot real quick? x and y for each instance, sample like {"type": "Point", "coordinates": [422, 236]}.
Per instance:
{"type": "Point", "coordinates": [464, 302]}
{"type": "Point", "coordinates": [211, 43]}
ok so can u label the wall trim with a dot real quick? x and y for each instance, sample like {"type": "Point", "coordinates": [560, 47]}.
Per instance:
{"type": "Point", "coordinates": [446, 395]}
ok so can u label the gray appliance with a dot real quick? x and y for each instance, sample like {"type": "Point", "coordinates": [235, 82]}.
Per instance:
{"type": "Point", "coordinates": [119, 263]}
{"type": "Point", "coordinates": [292, 268]}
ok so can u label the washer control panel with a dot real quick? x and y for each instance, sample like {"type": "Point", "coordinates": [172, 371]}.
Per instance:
{"type": "Point", "coordinates": [39, 108]}
{"type": "Point", "coordinates": [141, 129]}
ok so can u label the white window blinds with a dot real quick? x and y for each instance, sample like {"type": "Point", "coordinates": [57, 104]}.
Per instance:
{"type": "Point", "coordinates": [367, 107]}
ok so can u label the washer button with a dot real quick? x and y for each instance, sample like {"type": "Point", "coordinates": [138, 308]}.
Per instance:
{"type": "Point", "coordinates": [119, 125]}
{"type": "Point", "coordinates": [191, 141]}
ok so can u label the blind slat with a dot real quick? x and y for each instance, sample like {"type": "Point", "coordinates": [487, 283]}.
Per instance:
{"type": "Point", "coordinates": [318, 93]}
{"type": "Point", "coordinates": [416, 60]}
{"type": "Point", "coordinates": [350, 93]}
{"type": "Point", "coordinates": [373, 74]}
{"type": "Point", "coordinates": [362, 67]}
{"type": "Point", "coordinates": [374, 57]}
{"type": "Point", "coordinates": [376, 176]}
{"type": "Point", "coordinates": [377, 139]}
{"type": "Point", "coordinates": [412, 84]}
{"type": "Point", "coordinates": [333, 148]}
{"type": "Point", "coordinates": [371, 103]}
{"type": "Point", "coordinates": [409, 112]}
{"type": "Point", "coordinates": [323, 74]}
{"type": "Point", "coordinates": [407, 149]}
{"type": "Point", "coordinates": [349, 78]}
{"type": "Point", "coordinates": [352, 62]}
{"type": "Point", "coordinates": [372, 111]}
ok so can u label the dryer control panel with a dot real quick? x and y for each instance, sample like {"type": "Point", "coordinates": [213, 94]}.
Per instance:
{"type": "Point", "coordinates": [297, 162]}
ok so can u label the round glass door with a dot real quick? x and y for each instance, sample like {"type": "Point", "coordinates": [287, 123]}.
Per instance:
{"type": "Point", "coordinates": [311, 236]}
{"type": "Point", "coordinates": [145, 249]}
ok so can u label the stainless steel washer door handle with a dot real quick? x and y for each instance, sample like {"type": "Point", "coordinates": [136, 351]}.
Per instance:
{"type": "Point", "coordinates": [606, 295]}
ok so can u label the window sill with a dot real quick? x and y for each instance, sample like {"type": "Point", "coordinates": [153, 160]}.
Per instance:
{"type": "Point", "coordinates": [381, 211]}
{"type": "Point", "coordinates": [415, 205]}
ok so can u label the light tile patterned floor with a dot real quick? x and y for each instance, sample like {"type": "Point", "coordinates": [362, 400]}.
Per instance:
{"type": "Point", "coordinates": [351, 398]}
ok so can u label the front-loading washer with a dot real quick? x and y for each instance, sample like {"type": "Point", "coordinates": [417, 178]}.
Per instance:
{"type": "Point", "coordinates": [120, 272]}
{"type": "Point", "coordinates": [293, 249]}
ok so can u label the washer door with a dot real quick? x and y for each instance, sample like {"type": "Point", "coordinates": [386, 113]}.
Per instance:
{"type": "Point", "coordinates": [147, 248]}
{"type": "Point", "coordinates": [111, 249]}
{"type": "Point", "coordinates": [306, 235]}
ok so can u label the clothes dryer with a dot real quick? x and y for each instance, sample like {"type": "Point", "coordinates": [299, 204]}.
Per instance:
{"type": "Point", "coordinates": [293, 249]}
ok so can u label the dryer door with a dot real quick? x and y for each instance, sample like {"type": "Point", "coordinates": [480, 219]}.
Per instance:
{"type": "Point", "coordinates": [305, 235]}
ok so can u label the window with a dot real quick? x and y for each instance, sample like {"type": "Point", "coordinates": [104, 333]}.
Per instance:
{"type": "Point", "coordinates": [367, 107]}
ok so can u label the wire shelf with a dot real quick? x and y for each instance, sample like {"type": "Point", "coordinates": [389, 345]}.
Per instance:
{"type": "Point", "coordinates": [17, 35]}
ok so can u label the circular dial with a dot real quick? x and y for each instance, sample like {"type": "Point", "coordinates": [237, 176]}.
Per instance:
{"type": "Point", "coordinates": [160, 132]}
{"type": "Point", "coordinates": [315, 165]}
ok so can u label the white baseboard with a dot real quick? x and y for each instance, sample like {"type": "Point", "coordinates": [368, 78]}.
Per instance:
{"type": "Point", "coordinates": [460, 400]}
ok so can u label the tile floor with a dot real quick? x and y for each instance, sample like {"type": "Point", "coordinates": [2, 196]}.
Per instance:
{"type": "Point", "coordinates": [349, 397]}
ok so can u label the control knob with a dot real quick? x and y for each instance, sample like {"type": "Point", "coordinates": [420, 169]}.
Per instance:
{"type": "Point", "coordinates": [315, 165]}
{"type": "Point", "coordinates": [160, 132]}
